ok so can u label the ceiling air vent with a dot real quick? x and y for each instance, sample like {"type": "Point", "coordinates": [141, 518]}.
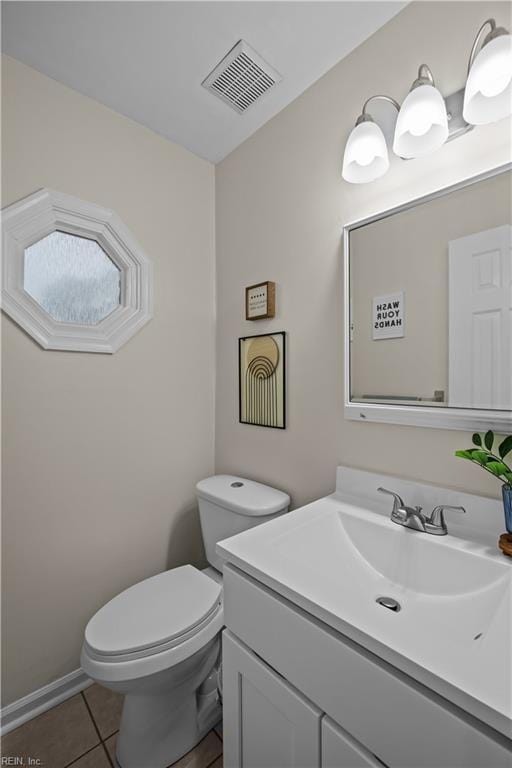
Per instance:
{"type": "Point", "coordinates": [241, 78]}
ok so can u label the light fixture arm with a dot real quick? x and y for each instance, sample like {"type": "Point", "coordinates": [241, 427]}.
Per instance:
{"type": "Point", "coordinates": [380, 96]}
{"type": "Point", "coordinates": [494, 32]}
{"type": "Point", "coordinates": [425, 77]}
{"type": "Point", "coordinates": [365, 116]}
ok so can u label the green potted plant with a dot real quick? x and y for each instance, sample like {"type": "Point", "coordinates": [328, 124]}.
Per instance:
{"type": "Point", "coordinates": [482, 454]}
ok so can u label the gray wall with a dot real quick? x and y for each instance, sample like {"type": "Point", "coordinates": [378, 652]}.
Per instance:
{"type": "Point", "coordinates": [101, 452]}
{"type": "Point", "coordinates": [281, 205]}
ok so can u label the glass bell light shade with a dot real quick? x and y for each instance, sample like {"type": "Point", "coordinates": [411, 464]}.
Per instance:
{"type": "Point", "coordinates": [422, 123]}
{"type": "Point", "coordinates": [488, 93]}
{"type": "Point", "coordinates": [366, 154]}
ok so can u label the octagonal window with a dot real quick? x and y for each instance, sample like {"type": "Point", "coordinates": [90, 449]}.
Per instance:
{"type": "Point", "coordinates": [72, 278]}
{"type": "Point", "coordinates": [86, 286]}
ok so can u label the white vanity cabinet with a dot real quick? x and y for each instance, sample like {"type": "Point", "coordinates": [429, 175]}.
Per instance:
{"type": "Point", "coordinates": [298, 693]}
{"type": "Point", "coordinates": [270, 724]}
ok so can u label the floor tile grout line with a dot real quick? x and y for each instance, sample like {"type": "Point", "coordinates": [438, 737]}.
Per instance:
{"type": "Point", "coordinates": [102, 740]}
{"type": "Point", "coordinates": [222, 750]}
{"type": "Point", "coordinates": [104, 743]}
{"type": "Point", "coordinates": [95, 728]}
{"type": "Point", "coordinates": [109, 759]}
{"type": "Point", "coordinates": [89, 710]}
{"type": "Point", "coordinates": [76, 759]}
{"type": "Point", "coordinates": [109, 736]}
{"type": "Point", "coordinates": [194, 748]}
{"type": "Point", "coordinates": [214, 760]}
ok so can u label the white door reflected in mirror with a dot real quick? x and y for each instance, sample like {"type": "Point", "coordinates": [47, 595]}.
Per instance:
{"type": "Point", "coordinates": [480, 319]}
{"type": "Point", "coordinates": [72, 278]}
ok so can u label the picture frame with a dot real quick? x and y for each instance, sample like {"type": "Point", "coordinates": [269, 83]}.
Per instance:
{"type": "Point", "coordinates": [262, 380]}
{"type": "Point", "coordinates": [260, 301]}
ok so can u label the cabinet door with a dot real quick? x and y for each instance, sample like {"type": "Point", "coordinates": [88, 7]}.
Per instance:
{"type": "Point", "coordinates": [340, 750]}
{"type": "Point", "coordinates": [267, 723]}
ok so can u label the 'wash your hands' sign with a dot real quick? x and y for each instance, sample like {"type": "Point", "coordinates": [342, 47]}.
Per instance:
{"type": "Point", "coordinates": [388, 316]}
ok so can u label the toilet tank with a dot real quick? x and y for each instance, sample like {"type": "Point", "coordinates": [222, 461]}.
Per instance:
{"type": "Point", "coordinates": [229, 505]}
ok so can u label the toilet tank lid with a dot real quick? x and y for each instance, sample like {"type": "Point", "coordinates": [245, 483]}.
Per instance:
{"type": "Point", "coordinates": [245, 497]}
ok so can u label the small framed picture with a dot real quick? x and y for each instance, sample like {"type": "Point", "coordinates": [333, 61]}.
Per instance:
{"type": "Point", "coordinates": [260, 301]}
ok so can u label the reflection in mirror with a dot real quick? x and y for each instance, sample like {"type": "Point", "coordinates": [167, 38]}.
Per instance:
{"type": "Point", "coordinates": [72, 278]}
{"type": "Point", "coordinates": [431, 301]}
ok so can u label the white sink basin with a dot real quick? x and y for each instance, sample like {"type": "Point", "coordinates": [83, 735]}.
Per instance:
{"type": "Point", "coordinates": [376, 552]}
{"type": "Point", "coordinates": [334, 558]}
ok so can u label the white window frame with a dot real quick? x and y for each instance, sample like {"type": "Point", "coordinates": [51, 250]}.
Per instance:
{"type": "Point", "coordinates": [472, 419]}
{"type": "Point", "coordinates": [38, 215]}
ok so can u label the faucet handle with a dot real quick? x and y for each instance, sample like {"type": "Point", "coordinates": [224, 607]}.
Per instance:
{"type": "Point", "coordinates": [398, 501]}
{"type": "Point", "coordinates": [436, 522]}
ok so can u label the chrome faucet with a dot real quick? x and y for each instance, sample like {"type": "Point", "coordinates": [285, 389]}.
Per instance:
{"type": "Point", "coordinates": [413, 517]}
{"type": "Point", "coordinates": [409, 517]}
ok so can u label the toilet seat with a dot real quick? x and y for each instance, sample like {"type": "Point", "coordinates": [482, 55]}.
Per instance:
{"type": "Point", "coordinates": [153, 616]}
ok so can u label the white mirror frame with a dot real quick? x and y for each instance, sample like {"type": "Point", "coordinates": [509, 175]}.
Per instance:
{"type": "Point", "coordinates": [470, 419]}
{"type": "Point", "coordinates": [38, 215]}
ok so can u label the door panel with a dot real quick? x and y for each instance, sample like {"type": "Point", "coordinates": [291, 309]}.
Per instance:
{"type": "Point", "coordinates": [267, 723]}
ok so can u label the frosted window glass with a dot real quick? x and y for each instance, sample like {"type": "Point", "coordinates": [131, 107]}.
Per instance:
{"type": "Point", "coordinates": [72, 278]}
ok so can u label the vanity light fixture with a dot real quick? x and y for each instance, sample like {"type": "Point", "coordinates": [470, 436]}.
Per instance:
{"type": "Point", "coordinates": [366, 153]}
{"type": "Point", "coordinates": [426, 119]}
{"type": "Point", "coordinates": [488, 94]}
{"type": "Point", "coordinates": [422, 123]}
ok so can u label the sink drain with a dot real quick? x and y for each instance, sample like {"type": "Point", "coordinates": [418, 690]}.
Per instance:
{"type": "Point", "coordinates": [390, 603]}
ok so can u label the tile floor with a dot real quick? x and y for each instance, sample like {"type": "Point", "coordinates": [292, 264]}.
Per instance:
{"type": "Point", "coordinates": [82, 732]}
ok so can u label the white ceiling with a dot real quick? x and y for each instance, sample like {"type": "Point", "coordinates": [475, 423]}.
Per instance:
{"type": "Point", "coordinates": [147, 60]}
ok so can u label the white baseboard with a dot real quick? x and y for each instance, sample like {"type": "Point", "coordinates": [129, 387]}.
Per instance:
{"type": "Point", "coordinates": [39, 701]}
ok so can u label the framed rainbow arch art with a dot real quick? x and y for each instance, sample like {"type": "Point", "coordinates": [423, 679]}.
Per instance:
{"type": "Point", "coordinates": [262, 380]}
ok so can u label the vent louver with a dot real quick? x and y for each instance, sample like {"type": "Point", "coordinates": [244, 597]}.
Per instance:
{"type": "Point", "coordinates": [241, 78]}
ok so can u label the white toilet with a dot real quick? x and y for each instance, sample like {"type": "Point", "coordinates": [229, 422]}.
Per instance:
{"type": "Point", "coordinates": [158, 642]}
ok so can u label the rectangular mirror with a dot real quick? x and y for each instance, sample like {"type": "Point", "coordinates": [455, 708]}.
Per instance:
{"type": "Point", "coordinates": [428, 309]}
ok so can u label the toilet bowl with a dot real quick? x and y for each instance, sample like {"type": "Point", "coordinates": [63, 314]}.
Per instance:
{"type": "Point", "coordinates": [158, 643]}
